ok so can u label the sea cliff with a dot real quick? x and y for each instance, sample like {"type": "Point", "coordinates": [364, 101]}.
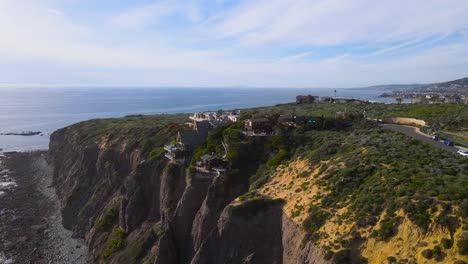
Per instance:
{"type": "Point", "coordinates": [344, 191]}
{"type": "Point", "coordinates": [133, 208]}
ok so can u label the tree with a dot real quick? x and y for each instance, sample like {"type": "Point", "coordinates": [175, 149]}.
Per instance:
{"type": "Point", "coordinates": [399, 100]}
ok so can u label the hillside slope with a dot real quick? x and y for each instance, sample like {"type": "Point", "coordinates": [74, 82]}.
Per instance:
{"type": "Point", "coordinates": [345, 192]}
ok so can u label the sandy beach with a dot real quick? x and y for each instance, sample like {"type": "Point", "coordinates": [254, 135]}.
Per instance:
{"type": "Point", "coordinates": [30, 219]}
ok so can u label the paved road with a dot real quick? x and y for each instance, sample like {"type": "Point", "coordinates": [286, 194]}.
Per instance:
{"type": "Point", "coordinates": [414, 133]}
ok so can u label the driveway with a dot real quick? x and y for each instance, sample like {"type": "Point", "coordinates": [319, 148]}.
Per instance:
{"type": "Point", "coordinates": [415, 133]}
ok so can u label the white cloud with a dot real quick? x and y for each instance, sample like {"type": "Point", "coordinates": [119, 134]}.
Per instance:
{"type": "Point", "coordinates": [38, 34]}
{"type": "Point", "coordinates": [337, 22]}
{"type": "Point", "coordinates": [144, 15]}
{"type": "Point", "coordinates": [54, 11]}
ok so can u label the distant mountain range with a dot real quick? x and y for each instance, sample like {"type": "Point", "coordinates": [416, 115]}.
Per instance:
{"type": "Point", "coordinates": [460, 85]}
{"type": "Point", "coordinates": [392, 87]}
{"type": "Point", "coordinates": [457, 86]}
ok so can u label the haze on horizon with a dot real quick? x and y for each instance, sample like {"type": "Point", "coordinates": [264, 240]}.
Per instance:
{"type": "Point", "coordinates": [264, 43]}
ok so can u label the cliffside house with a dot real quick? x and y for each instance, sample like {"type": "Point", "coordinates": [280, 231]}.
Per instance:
{"type": "Point", "coordinates": [258, 127]}
{"type": "Point", "coordinates": [340, 115]}
{"type": "Point", "coordinates": [306, 99]}
{"type": "Point", "coordinates": [307, 122]}
{"type": "Point", "coordinates": [217, 116]}
{"type": "Point", "coordinates": [187, 141]}
{"type": "Point", "coordinates": [212, 163]}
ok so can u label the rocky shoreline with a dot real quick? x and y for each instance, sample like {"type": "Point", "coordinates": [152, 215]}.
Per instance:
{"type": "Point", "coordinates": [31, 228]}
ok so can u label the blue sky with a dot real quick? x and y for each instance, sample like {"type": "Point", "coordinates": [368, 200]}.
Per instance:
{"type": "Point", "coordinates": [274, 43]}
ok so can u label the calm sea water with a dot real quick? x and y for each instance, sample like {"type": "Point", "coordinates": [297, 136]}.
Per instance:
{"type": "Point", "coordinates": [45, 110]}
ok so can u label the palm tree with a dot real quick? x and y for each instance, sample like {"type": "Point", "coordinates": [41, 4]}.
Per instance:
{"type": "Point", "coordinates": [399, 100]}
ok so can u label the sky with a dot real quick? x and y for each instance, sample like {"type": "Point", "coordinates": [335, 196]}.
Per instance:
{"type": "Point", "coordinates": [227, 43]}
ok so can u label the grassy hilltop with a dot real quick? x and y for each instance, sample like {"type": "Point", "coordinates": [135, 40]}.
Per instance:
{"type": "Point", "coordinates": [360, 191]}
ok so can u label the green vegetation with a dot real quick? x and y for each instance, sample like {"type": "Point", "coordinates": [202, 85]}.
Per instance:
{"type": "Point", "coordinates": [115, 243]}
{"type": "Point", "coordinates": [382, 170]}
{"type": "Point", "coordinates": [277, 158]}
{"type": "Point", "coordinates": [108, 219]}
{"type": "Point", "coordinates": [435, 253]}
{"type": "Point", "coordinates": [462, 245]}
{"type": "Point", "coordinates": [157, 153]}
{"type": "Point", "coordinates": [387, 228]}
{"type": "Point", "coordinates": [448, 116]}
{"type": "Point", "coordinates": [315, 219]}
{"type": "Point", "coordinates": [369, 169]}
{"type": "Point", "coordinates": [256, 203]}
{"type": "Point", "coordinates": [141, 132]}
{"type": "Point", "coordinates": [427, 253]}
{"type": "Point", "coordinates": [140, 248]}
{"type": "Point", "coordinates": [446, 243]}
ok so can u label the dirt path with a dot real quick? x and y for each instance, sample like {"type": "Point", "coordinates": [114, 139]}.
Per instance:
{"type": "Point", "coordinates": [30, 219]}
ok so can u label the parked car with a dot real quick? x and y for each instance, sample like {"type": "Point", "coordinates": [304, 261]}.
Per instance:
{"type": "Point", "coordinates": [448, 143]}
{"type": "Point", "coordinates": [463, 152]}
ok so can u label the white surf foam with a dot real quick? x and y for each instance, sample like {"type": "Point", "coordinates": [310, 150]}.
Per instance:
{"type": "Point", "coordinates": [4, 260]}
{"type": "Point", "coordinates": [7, 185]}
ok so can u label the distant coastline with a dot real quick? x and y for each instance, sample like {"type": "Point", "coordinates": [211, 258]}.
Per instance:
{"type": "Point", "coordinates": [50, 109]}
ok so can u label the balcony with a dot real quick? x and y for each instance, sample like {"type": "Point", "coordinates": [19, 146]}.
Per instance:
{"type": "Point", "coordinates": [175, 153]}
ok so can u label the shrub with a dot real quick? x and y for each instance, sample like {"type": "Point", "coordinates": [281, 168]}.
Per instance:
{"type": "Point", "coordinates": [427, 253]}
{"type": "Point", "coordinates": [115, 243]}
{"type": "Point", "coordinates": [256, 205]}
{"type": "Point", "coordinates": [462, 245]}
{"type": "Point", "coordinates": [391, 259]}
{"type": "Point", "coordinates": [157, 153]}
{"type": "Point", "coordinates": [278, 158]}
{"type": "Point", "coordinates": [343, 256]}
{"type": "Point", "coordinates": [437, 252]}
{"type": "Point", "coordinates": [108, 219]}
{"type": "Point", "coordinates": [446, 243]}
{"type": "Point", "coordinates": [315, 220]}
{"type": "Point", "coordinates": [387, 228]}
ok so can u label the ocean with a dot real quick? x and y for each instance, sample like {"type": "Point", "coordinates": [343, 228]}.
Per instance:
{"type": "Point", "coordinates": [48, 109]}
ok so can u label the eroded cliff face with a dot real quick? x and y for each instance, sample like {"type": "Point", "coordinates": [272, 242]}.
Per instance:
{"type": "Point", "coordinates": [134, 209]}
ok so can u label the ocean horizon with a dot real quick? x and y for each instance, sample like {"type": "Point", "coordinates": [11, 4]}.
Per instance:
{"type": "Point", "coordinates": [49, 109]}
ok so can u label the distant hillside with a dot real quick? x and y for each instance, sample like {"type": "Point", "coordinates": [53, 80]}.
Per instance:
{"type": "Point", "coordinates": [456, 86]}
{"type": "Point", "coordinates": [393, 87]}
{"type": "Point", "coordinates": [450, 87]}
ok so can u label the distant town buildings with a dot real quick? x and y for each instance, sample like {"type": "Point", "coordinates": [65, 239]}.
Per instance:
{"type": "Point", "coordinates": [309, 99]}
{"type": "Point", "coordinates": [433, 98]}
{"type": "Point", "coordinates": [453, 92]}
